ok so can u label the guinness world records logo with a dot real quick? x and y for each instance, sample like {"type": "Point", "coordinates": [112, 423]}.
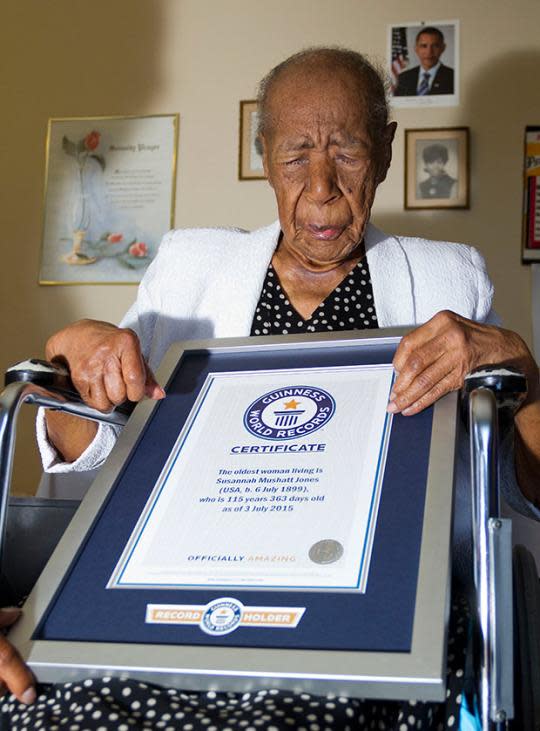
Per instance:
{"type": "Point", "coordinates": [289, 412]}
{"type": "Point", "coordinates": [221, 616]}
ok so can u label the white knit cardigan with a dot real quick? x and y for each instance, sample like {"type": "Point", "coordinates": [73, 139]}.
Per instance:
{"type": "Point", "coordinates": [205, 283]}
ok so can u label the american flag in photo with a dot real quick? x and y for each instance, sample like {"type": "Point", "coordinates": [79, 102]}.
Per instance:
{"type": "Point", "coordinates": [400, 53]}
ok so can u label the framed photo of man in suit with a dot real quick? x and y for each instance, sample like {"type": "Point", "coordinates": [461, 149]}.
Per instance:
{"type": "Point", "coordinates": [423, 59]}
{"type": "Point", "coordinates": [437, 168]}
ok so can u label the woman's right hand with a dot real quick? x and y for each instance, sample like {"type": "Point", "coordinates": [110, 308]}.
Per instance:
{"type": "Point", "coordinates": [107, 367]}
{"type": "Point", "coordinates": [15, 676]}
{"type": "Point", "coordinates": [105, 363]}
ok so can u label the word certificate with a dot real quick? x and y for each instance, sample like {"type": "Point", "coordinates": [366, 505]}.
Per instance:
{"type": "Point", "coordinates": [273, 482]}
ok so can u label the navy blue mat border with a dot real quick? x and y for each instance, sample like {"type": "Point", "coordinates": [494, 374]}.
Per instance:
{"type": "Point", "coordinates": [380, 620]}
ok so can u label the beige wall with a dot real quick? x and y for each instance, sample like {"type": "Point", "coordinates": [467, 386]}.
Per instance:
{"type": "Point", "coordinates": [199, 58]}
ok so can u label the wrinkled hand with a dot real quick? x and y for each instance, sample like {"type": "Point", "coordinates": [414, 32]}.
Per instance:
{"type": "Point", "coordinates": [105, 363]}
{"type": "Point", "coordinates": [435, 358]}
{"type": "Point", "coordinates": [14, 674]}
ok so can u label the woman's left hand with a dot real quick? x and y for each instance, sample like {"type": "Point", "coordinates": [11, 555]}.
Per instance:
{"type": "Point", "coordinates": [15, 676]}
{"type": "Point", "coordinates": [435, 358]}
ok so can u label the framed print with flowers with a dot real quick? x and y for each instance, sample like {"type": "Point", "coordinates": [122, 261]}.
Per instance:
{"type": "Point", "coordinates": [109, 197]}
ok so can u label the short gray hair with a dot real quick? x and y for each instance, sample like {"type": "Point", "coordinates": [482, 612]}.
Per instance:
{"type": "Point", "coordinates": [372, 78]}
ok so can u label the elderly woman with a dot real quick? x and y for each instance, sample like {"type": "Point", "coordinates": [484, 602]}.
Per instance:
{"type": "Point", "coordinates": [326, 143]}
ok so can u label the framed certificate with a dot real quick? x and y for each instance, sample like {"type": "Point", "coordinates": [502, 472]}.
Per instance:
{"type": "Point", "coordinates": [268, 524]}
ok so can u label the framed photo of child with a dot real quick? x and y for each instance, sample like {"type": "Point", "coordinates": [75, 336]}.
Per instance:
{"type": "Point", "coordinates": [437, 168]}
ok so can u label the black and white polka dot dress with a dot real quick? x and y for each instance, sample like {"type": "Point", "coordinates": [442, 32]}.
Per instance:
{"type": "Point", "coordinates": [349, 307]}
{"type": "Point", "coordinates": [125, 705]}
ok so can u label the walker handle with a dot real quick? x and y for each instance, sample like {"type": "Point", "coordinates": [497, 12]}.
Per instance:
{"type": "Point", "coordinates": [53, 377]}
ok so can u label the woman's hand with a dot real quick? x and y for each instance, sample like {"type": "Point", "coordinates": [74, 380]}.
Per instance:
{"type": "Point", "coordinates": [15, 676]}
{"type": "Point", "coordinates": [435, 358]}
{"type": "Point", "coordinates": [107, 367]}
{"type": "Point", "coordinates": [105, 363]}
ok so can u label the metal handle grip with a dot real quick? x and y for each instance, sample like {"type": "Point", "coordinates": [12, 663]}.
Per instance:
{"type": "Point", "coordinates": [492, 563]}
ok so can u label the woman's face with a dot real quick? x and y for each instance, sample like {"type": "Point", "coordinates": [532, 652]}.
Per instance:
{"type": "Point", "coordinates": [435, 168]}
{"type": "Point", "coordinates": [322, 165]}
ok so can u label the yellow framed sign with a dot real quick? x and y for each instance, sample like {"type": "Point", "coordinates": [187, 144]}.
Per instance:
{"type": "Point", "coordinates": [531, 196]}
{"type": "Point", "coordinates": [109, 197]}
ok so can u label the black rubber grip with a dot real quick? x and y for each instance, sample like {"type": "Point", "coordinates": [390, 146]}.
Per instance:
{"type": "Point", "coordinates": [54, 377]}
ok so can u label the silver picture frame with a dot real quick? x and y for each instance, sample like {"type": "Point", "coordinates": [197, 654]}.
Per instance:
{"type": "Point", "coordinates": [418, 674]}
